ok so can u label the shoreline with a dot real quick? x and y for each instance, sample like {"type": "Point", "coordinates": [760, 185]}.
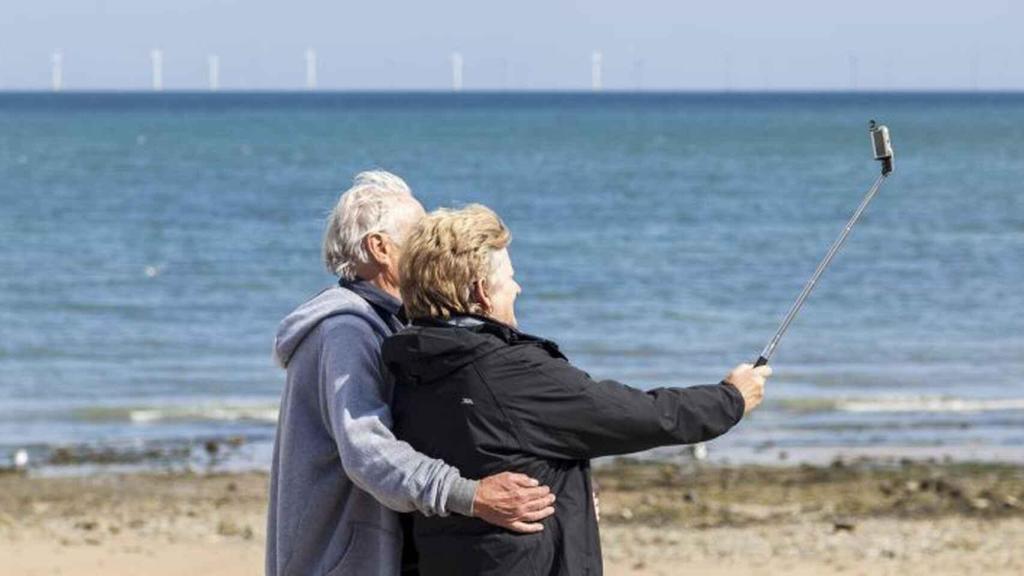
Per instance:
{"type": "Point", "coordinates": [241, 453]}
{"type": "Point", "coordinates": [862, 517]}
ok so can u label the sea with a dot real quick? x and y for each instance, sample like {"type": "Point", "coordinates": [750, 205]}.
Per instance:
{"type": "Point", "coordinates": [151, 242]}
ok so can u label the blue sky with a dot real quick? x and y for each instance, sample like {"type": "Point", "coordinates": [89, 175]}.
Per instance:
{"type": "Point", "coordinates": [526, 44]}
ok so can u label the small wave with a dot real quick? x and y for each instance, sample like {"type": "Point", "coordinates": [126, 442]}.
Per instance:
{"type": "Point", "coordinates": [926, 404]}
{"type": "Point", "coordinates": [804, 404]}
{"type": "Point", "coordinates": [894, 404]}
{"type": "Point", "coordinates": [153, 414]}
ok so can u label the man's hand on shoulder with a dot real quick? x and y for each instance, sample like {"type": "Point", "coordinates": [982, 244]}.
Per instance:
{"type": "Point", "coordinates": [513, 501]}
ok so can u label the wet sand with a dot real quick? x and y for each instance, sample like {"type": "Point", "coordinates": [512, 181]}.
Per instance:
{"type": "Point", "coordinates": [863, 518]}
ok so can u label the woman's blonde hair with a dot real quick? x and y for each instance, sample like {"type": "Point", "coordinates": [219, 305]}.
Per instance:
{"type": "Point", "coordinates": [447, 251]}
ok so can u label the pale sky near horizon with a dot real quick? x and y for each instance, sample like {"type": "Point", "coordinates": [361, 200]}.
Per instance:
{"type": "Point", "coordinates": [528, 44]}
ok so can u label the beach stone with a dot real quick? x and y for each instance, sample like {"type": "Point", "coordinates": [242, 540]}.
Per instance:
{"type": "Point", "coordinates": [843, 526]}
{"type": "Point", "coordinates": [230, 528]}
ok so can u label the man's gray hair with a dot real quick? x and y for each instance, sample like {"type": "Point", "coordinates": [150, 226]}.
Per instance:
{"type": "Point", "coordinates": [378, 202]}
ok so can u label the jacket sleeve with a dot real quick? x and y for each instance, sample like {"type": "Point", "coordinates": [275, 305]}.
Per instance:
{"type": "Point", "coordinates": [558, 411]}
{"type": "Point", "coordinates": [357, 414]}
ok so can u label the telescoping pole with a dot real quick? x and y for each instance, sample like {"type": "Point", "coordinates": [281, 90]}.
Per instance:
{"type": "Point", "coordinates": [883, 153]}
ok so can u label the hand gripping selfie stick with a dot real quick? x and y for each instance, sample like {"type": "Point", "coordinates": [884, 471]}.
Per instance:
{"type": "Point", "coordinates": [883, 153]}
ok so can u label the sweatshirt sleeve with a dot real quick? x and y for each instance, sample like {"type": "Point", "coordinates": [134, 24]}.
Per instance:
{"type": "Point", "coordinates": [357, 414]}
{"type": "Point", "coordinates": [560, 412]}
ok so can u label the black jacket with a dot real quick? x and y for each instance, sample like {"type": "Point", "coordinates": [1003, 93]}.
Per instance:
{"type": "Point", "coordinates": [486, 398]}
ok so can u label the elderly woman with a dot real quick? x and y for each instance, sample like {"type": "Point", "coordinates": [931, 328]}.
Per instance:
{"type": "Point", "coordinates": [476, 392]}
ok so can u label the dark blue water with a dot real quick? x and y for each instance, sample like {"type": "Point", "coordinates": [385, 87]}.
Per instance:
{"type": "Point", "coordinates": [151, 243]}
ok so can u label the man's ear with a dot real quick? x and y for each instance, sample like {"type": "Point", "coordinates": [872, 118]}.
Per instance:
{"type": "Point", "coordinates": [480, 295]}
{"type": "Point", "coordinates": [378, 247]}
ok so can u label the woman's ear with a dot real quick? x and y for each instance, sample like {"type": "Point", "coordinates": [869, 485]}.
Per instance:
{"type": "Point", "coordinates": [481, 297]}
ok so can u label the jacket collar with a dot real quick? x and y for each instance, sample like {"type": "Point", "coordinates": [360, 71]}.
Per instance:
{"type": "Point", "coordinates": [486, 325]}
{"type": "Point", "coordinates": [387, 306]}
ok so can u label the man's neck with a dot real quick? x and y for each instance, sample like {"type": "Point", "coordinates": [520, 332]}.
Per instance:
{"type": "Point", "coordinates": [386, 287]}
{"type": "Point", "coordinates": [379, 280]}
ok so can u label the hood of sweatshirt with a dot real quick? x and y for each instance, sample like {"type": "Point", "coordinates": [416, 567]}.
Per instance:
{"type": "Point", "coordinates": [304, 319]}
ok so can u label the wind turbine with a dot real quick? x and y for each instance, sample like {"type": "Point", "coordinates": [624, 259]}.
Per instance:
{"type": "Point", "coordinates": [213, 63]}
{"type": "Point", "coordinates": [157, 57]}
{"type": "Point", "coordinates": [57, 71]}
{"type": "Point", "coordinates": [310, 69]}
{"type": "Point", "coordinates": [456, 72]}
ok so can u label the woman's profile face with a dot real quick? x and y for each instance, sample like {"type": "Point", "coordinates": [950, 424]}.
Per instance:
{"type": "Point", "coordinates": [503, 289]}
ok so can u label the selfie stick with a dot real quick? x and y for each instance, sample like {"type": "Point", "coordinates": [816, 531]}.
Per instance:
{"type": "Point", "coordinates": [883, 153]}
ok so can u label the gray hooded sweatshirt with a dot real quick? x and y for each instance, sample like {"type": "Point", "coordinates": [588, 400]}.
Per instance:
{"type": "Point", "coordinates": [338, 473]}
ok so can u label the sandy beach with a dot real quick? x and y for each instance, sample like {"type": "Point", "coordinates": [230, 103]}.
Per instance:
{"type": "Point", "coordinates": [860, 518]}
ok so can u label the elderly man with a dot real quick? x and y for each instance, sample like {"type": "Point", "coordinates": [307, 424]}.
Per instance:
{"type": "Point", "coordinates": [338, 473]}
{"type": "Point", "coordinates": [473, 390]}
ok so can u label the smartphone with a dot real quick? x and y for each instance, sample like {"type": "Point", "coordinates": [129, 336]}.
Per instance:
{"type": "Point", "coordinates": [882, 145]}
{"type": "Point", "coordinates": [880, 138]}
